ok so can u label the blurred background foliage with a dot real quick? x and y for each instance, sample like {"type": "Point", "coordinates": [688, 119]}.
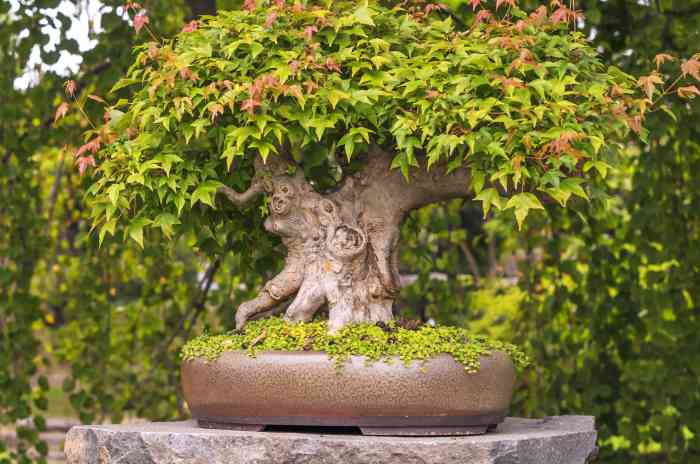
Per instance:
{"type": "Point", "coordinates": [606, 302]}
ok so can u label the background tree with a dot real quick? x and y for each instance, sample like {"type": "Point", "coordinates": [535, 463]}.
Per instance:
{"type": "Point", "coordinates": [612, 306]}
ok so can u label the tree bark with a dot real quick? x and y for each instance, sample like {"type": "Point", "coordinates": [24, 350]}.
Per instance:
{"type": "Point", "coordinates": [343, 246]}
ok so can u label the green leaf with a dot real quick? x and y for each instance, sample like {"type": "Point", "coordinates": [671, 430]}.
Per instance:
{"type": "Point", "coordinates": [108, 226]}
{"type": "Point", "coordinates": [121, 83]}
{"type": "Point", "coordinates": [166, 221]}
{"type": "Point", "coordinates": [113, 192]}
{"type": "Point", "coordinates": [489, 197]}
{"type": "Point", "coordinates": [241, 134]}
{"type": "Point", "coordinates": [601, 166]}
{"type": "Point", "coordinates": [334, 96]}
{"type": "Point", "coordinates": [136, 178]}
{"type": "Point", "coordinates": [135, 229]}
{"type": "Point", "coordinates": [478, 179]}
{"type": "Point", "coordinates": [205, 192]}
{"type": "Point", "coordinates": [363, 15]}
{"type": "Point", "coordinates": [523, 203]}
{"type": "Point", "coordinates": [572, 185]}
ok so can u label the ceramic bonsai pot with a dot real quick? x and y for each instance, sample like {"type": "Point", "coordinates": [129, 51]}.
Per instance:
{"type": "Point", "coordinates": [435, 397]}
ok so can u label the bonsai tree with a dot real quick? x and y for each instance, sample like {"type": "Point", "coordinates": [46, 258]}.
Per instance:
{"type": "Point", "coordinates": [336, 119]}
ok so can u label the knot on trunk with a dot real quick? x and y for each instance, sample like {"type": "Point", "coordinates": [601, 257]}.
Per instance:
{"type": "Point", "coordinates": [343, 246]}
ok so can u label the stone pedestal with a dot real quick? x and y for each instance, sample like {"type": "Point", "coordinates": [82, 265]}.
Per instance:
{"type": "Point", "coordinates": [552, 440]}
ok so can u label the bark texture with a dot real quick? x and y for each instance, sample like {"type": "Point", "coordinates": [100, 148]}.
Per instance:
{"type": "Point", "coordinates": [343, 246]}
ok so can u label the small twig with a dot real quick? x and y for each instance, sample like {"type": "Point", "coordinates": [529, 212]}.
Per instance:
{"type": "Point", "coordinates": [471, 260]}
{"type": "Point", "coordinates": [259, 338]}
{"type": "Point", "coordinates": [667, 91]}
{"type": "Point", "coordinates": [55, 188]}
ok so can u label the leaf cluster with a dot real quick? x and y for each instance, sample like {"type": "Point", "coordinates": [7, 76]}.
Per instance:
{"type": "Point", "coordinates": [523, 102]}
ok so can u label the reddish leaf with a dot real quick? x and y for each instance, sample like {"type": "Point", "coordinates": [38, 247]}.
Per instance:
{"type": "Point", "coordinates": [250, 5]}
{"type": "Point", "coordinates": [97, 99]}
{"type": "Point", "coordinates": [619, 110]}
{"type": "Point", "coordinates": [661, 58]}
{"type": "Point", "coordinates": [560, 15]}
{"type": "Point", "coordinates": [92, 146]}
{"type": "Point", "coordinates": [215, 109]}
{"type": "Point", "coordinates": [617, 91]}
{"type": "Point", "coordinates": [331, 65]}
{"type": "Point", "coordinates": [294, 65]}
{"type": "Point", "coordinates": [692, 67]}
{"type": "Point", "coordinates": [311, 86]}
{"type": "Point", "coordinates": [474, 4]}
{"type": "Point", "coordinates": [70, 87]}
{"type": "Point", "coordinates": [279, 3]}
{"type": "Point", "coordinates": [506, 2]}
{"type": "Point", "coordinates": [187, 74]}
{"type": "Point", "coordinates": [83, 163]}
{"type": "Point", "coordinates": [191, 26]}
{"type": "Point", "coordinates": [269, 80]}
{"type": "Point", "coordinates": [131, 6]}
{"type": "Point", "coordinates": [564, 14]}
{"type": "Point", "coordinates": [511, 82]}
{"type": "Point", "coordinates": [140, 20]}
{"type": "Point", "coordinates": [539, 16]}
{"type": "Point", "coordinates": [309, 31]}
{"type": "Point", "coordinates": [563, 143]}
{"type": "Point", "coordinates": [648, 83]}
{"type": "Point", "coordinates": [298, 8]}
{"type": "Point", "coordinates": [482, 16]}
{"type": "Point", "coordinates": [61, 111]}
{"type": "Point", "coordinates": [430, 7]}
{"type": "Point", "coordinates": [635, 124]}
{"type": "Point", "coordinates": [688, 92]}
{"type": "Point", "coordinates": [294, 90]}
{"type": "Point", "coordinates": [270, 20]}
{"type": "Point", "coordinates": [250, 104]}
{"type": "Point", "coordinates": [432, 94]}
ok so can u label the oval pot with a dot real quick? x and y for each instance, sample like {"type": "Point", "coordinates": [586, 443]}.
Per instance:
{"type": "Point", "coordinates": [436, 397]}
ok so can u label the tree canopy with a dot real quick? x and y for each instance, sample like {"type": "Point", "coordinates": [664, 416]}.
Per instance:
{"type": "Point", "coordinates": [605, 300]}
{"type": "Point", "coordinates": [523, 102]}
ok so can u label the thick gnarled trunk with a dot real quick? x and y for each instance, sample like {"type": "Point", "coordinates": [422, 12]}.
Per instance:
{"type": "Point", "coordinates": [343, 246]}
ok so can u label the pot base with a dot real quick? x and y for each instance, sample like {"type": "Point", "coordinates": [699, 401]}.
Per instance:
{"type": "Point", "coordinates": [378, 425]}
{"type": "Point", "coordinates": [367, 431]}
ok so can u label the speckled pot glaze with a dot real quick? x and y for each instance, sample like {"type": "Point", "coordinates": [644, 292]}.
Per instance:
{"type": "Point", "coordinates": [305, 388]}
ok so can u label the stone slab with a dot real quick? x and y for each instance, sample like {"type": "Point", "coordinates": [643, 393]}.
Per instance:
{"type": "Point", "coordinates": [551, 440]}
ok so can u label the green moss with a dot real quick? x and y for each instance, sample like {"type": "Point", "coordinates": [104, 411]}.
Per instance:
{"type": "Point", "coordinates": [370, 340]}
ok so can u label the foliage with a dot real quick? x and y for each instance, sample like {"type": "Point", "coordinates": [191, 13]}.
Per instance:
{"type": "Point", "coordinates": [526, 105]}
{"type": "Point", "coordinates": [616, 337]}
{"type": "Point", "coordinates": [373, 341]}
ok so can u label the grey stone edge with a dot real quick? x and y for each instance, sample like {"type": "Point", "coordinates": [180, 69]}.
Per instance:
{"type": "Point", "coordinates": [551, 440]}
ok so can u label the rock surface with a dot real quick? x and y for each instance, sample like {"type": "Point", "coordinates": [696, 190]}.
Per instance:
{"type": "Point", "coordinates": [552, 440]}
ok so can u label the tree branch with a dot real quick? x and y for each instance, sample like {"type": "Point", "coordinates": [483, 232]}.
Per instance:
{"type": "Point", "coordinates": [241, 199]}
{"type": "Point", "coordinates": [471, 260]}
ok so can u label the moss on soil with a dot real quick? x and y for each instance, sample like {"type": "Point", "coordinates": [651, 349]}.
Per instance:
{"type": "Point", "coordinates": [374, 341]}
